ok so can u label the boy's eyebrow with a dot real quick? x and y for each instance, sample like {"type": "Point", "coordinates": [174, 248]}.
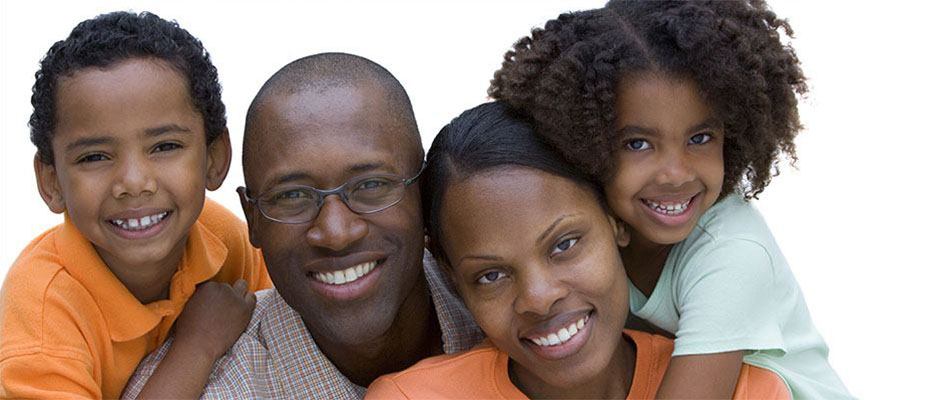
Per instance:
{"type": "Point", "coordinates": [89, 141]}
{"type": "Point", "coordinates": [551, 228]}
{"type": "Point", "coordinates": [164, 129]}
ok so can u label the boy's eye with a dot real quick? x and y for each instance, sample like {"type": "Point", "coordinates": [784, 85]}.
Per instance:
{"type": "Point", "coordinates": [701, 138]}
{"type": "Point", "coordinates": [490, 277]}
{"type": "Point", "coordinates": [167, 146]}
{"type": "Point", "coordinates": [638, 144]}
{"type": "Point", "coordinates": [92, 158]}
{"type": "Point", "coordinates": [564, 245]}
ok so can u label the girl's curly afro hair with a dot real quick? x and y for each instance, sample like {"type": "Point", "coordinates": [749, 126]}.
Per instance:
{"type": "Point", "coordinates": [564, 77]}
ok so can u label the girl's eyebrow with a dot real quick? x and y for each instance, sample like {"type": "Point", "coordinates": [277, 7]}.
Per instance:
{"type": "Point", "coordinates": [627, 130]}
{"type": "Point", "coordinates": [709, 123]}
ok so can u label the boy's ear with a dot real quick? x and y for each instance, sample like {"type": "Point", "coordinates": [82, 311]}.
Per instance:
{"type": "Point", "coordinates": [219, 155]}
{"type": "Point", "coordinates": [620, 231]}
{"type": "Point", "coordinates": [250, 214]}
{"type": "Point", "coordinates": [48, 184]}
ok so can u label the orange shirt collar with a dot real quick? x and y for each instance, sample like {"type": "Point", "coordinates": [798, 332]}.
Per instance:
{"type": "Point", "coordinates": [126, 317]}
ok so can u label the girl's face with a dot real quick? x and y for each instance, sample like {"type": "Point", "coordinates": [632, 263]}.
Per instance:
{"type": "Point", "coordinates": [669, 165]}
{"type": "Point", "coordinates": [535, 258]}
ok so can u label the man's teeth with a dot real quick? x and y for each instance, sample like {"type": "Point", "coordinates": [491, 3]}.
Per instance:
{"type": "Point", "coordinates": [138, 224]}
{"type": "Point", "coordinates": [562, 335]}
{"type": "Point", "coordinates": [344, 276]}
{"type": "Point", "coordinates": [668, 208]}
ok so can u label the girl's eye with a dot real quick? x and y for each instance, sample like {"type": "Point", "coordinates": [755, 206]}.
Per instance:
{"type": "Point", "coordinates": [564, 245]}
{"type": "Point", "coordinates": [701, 138]}
{"type": "Point", "coordinates": [167, 146]}
{"type": "Point", "coordinates": [638, 145]}
{"type": "Point", "coordinates": [92, 158]}
{"type": "Point", "coordinates": [490, 277]}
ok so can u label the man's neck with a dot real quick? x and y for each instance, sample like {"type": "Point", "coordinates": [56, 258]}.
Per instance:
{"type": "Point", "coordinates": [414, 335]}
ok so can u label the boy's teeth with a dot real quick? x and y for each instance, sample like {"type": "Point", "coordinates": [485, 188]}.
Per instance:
{"type": "Point", "coordinates": [137, 224]}
{"type": "Point", "coordinates": [346, 276]}
{"type": "Point", "coordinates": [563, 335]}
{"type": "Point", "coordinates": [668, 208]}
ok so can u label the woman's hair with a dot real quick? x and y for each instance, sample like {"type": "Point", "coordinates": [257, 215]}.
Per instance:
{"type": "Point", "coordinates": [482, 139]}
{"type": "Point", "coordinates": [111, 38]}
{"type": "Point", "coordinates": [564, 77]}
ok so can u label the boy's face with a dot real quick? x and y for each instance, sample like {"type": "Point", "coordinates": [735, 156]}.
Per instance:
{"type": "Point", "coordinates": [322, 139]}
{"type": "Point", "coordinates": [669, 165]}
{"type": "Point", "coordinates": [535, 258]}
{"type": "Point", "coordinates": [131, 163]}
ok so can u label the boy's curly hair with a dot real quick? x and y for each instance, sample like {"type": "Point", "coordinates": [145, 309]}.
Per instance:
{"type": "Point", "coordinates": [564, 77]}
{"type": "Point", "coordinates": [110, 38]}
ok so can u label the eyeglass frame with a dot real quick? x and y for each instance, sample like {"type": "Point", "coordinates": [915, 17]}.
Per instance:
{"type": "Point", "coordinates": [339, 191]}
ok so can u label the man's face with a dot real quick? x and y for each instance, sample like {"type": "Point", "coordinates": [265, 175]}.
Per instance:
{"type": "Point", "coordinates": [323, 139]}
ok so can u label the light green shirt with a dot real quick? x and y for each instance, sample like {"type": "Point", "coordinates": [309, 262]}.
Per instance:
{"type": "Point", "coordinates": [727, 287]}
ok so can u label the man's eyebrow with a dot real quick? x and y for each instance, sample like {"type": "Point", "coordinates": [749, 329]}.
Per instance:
{"type": "Point", "coordinates": [551, 228]}
{"type": "Point", "coordinates": [165, 129]}
{"type": "Point", "coordinates": [364, 167]}
{"type": "Point", "coordinates": [89, 141]}
{"type": "Point", "coordinates": [292, 176]}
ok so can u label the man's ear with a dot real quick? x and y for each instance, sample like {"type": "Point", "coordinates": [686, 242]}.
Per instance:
{"type": "Point", "coordinates": [219, 155]}
{"type": "Point", "coordinates": [47, 181]}
{"type": "Point", "coordinates": [249, 211]}
{"type": "Point", "coordinates": [621, 233]}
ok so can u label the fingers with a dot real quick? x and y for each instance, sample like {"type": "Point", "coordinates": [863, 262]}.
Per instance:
{"type": "Point", "coordinates": [250, 298]}
{"type": "Point", "coordinates": [240, 286]}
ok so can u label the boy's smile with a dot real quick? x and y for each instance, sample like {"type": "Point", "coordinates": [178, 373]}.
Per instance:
{"type": "Point", "coordinates": [669, 167]}
{"type": "Point", "coordinates": [131, 164]}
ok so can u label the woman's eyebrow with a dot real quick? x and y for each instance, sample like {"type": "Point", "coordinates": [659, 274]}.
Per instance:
{"type": "Point", "coordinates": [551, 228]}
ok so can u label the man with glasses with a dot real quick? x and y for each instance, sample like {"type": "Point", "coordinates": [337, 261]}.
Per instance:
{"type": "Point", "coordinates": [331, 153]}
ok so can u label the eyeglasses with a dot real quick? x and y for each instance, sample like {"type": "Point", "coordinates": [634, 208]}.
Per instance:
{"type": "Point", "coordinates": [299, 204]}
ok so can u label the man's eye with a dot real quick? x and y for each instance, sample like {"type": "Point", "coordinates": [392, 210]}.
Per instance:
{"type": "Point", "coordinates": [167, 146]}
{"type": "Point", "coordinates": [564, 245]}
{"type": "Point", "coordinates": [293, 194]}
{"type": "Point", "coordinates": [373, 184]}
{"type": "Point", "coordinates": [490, 277]}
{"type": "Point", "coordinates": [92, 158]}
{"type": "Point", "coordinates": [638, 145]}
{"type": "Point", "coordinates": [701, 138]}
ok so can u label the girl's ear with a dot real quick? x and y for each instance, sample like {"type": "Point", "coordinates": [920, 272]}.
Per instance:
{"type": "Point", "coordinates": [621, 233]}
{"type": "Point", "coordinates": [219, 155]}
{"type": "Point", "coordinates": [48, 184]}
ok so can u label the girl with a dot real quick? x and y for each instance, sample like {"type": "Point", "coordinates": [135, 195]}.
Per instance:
{"type": "Point", "coordinates": [680, 110]}
{"type": "Point", "coordinates": [534, 256]}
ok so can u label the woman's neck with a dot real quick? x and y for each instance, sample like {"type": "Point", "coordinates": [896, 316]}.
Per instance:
{"type": "Point", "coordinates": [643, 261]}
{"type": "Point", "coordinates": [613, 382]}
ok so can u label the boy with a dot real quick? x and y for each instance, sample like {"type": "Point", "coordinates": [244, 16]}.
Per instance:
{"type": "Point", "coordinates": [130, 129]}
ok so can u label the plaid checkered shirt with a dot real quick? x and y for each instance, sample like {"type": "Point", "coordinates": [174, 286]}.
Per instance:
{"type": "Point", "coordinates": [277, 358]}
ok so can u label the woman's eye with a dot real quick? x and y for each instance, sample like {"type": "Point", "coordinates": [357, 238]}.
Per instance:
{"type": "Point", "coordinates": [166, 147]}
{"type": "Point", "coordinates": [92, 158]}
{"type": "Point", "coordinates": [638, 144]}
{"type": "Point", "coordinates": [564, 245]}
{"type": "Point", "coordinates": [701, 138]}
{"type": "Point", "coordinates": [490, 277]}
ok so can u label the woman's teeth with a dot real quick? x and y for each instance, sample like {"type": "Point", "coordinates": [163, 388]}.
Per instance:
{"type": "Point", "coordinates": [345, 276]}
{"type": "Point", "coordinates": [668, 208]}
{"type": "Point", "coordinates": [138, 224]}
{"type": "Point", "coordinates": [562, 335]}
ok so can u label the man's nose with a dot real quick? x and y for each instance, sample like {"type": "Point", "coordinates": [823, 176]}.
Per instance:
{"type": "Point", "coordinates": [133, 177]}
{"type": "Point", "coordinates": [538, 290]}
{"type": "Point", "coordinates": [336, 227]}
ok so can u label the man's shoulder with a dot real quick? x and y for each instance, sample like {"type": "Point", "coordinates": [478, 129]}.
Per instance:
{"type": "Point", "coordinates": [460, 331]}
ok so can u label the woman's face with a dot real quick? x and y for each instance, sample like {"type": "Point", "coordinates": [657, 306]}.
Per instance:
{"type": "Point", "coordinates": [535, 258]}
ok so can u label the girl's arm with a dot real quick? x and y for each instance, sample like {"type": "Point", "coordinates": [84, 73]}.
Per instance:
{"type": "Point", "coordinates": [702, 376]}
{"type": "Point", "coordinates": [211, 322]}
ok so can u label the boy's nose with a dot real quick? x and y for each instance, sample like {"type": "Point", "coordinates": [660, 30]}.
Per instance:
{"type": "Point", "coordinates": [336, 227]}
{"type": "Point", "coordinates": [538, 290]}
{"type": "Point", "coordinates": [133, 179]}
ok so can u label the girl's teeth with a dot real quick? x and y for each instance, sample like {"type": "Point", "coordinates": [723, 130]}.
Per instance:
{"type": "Point", "coordinates": [563, 335]}
{"type": "Point", "coordinates": [668, 208]}
{"type": "Point", "coordinates": [345, 276]}
{"type": "Point", "coordinates": [137, 224]}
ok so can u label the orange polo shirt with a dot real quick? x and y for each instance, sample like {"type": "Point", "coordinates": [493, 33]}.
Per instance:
{"type": "Point", "coordinates": [69, 328]}
{"type": "Point", "coordinates": [482, 373]}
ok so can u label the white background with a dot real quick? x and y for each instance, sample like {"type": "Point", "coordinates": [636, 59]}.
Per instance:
{"type": "Point", "coordinates": [860, 220]}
